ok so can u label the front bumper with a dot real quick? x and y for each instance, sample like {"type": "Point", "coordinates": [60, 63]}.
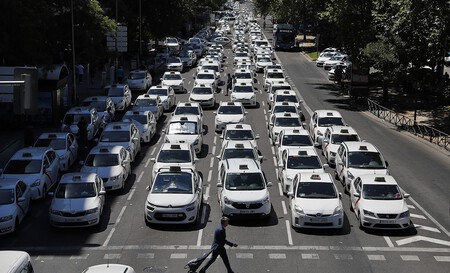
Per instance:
{"type": "Point", "coordinates": [246, 209]}
{"type": "Point", "coordinates": [384, 223]}
{"type": "Point", "coordinates": [317, 221]}
{"type": "Point", "coordinates": [68, 221]}
{"type": "Point", "coordinates": [161, 215]}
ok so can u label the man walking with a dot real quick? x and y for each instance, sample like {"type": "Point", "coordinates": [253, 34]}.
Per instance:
{"type": "Point", "coordinates": [229, 83]}
{"type": "Point", "coordinates": [218, 246]}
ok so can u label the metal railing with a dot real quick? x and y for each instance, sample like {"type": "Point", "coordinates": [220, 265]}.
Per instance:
{"type": "Point", "coordinates": [404, 123]}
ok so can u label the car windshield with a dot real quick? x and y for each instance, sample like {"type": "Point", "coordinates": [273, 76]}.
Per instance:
{"type": "Point", "coordinates": [187, 110]}
{"type": "Point", "coordinates": [280, 87]}
{"type": "Point", "coordinates": [56, 144]}
{"type": "Point", "coordinates": [100, 106]}
{"type": "Point", "coordinates": [7, 196]}
{"type": "Point", "coordinates": [315, 190]}
{"type": "Point", "coordinates": [365, 160]}
{"type": "Point", "coordinates": [303, 162]}
{"type": "Point", "coordinates": [204, 76]}
{"type": "Point", "coordinates": [142, 119]}
{"type": "Point", "coordinates": [241, 54]}
{"type": "Point", "coordinates": [182, 128]}
{"type": "Point", "coordinates": [243, 89]}
{"type": "Point", "coordinates": [145, 102]}
{"type": "Point", "coordinates": [136, 75]}
{"type": "Point", "coordinates": [202, 91]}
{"type": "Point", "coordinates": [275, 75]}
{"type": "Point", "coordinates": [244, 182]}
{"type": "Point", "coordinates": [261, 43]}
{"type": "Point", "coordinates": [284, 109]}
{"type": "Point", "coordinates": [238, 153]}
{"type": "Point", "coordinates": [211, 67]}
{"type": "Point", "coordinates": [287, 122]}
{"type": "Point", "coordinates": [246, 75]}
{"type": "Point", "coordinates": [171, 41]}
{"type": "Point", "coordinates": [115, 136]}
{"type": "Point", "coordinates": [239, 135]}
{"type": "Point", "coordinates": [329, 121]}
{"type": "Point", "coordinates": [173, 183]}
{"type": "Point", "coordinates": [230, 110]}
{"type": "Point", "coordinates": [381, 192]}
{"type": "Point", "coordinates": [338, 139]}
{"type": "Point", "coordinates": [174, 156]}
{"type": "Point", "coordinates": [172, 77]}
{"type": "Point", "coordinates": [264, 60]}
{"type": "Point", "coordinates": [287, 98]}
{"type": "Point", "coordinates": [75, 118]}
{"type": "Point", "coordinates": [102, 160]}
{"type": "Point", "coordinates": [158, 91]}
{"type": "Point", "coordinates": [115, 92]}
{"type": "Point", "coordinates": [174, 60]}
{"type": "Point", "coordinates": [75, 190]}
{"type": "Point", "coordinates": [296, 140]}
{"type": "Point", "coordinates": [28, 166]}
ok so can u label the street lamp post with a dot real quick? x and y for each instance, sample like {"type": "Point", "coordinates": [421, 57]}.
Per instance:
{"type": "Point", "coordinates": [140, 33]}
{"type": "Point", "coordinates": [74, 80]}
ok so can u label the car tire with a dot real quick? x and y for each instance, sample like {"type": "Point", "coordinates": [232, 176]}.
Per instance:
{"type": "Point", "coordinates": [44, 192]}
{"type": "Point", "coordinates": [351, 208]}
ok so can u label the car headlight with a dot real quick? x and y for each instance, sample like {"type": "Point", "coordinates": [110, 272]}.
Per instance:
{"type": "Point", "coordinates": [55, 212]}
{"type": "Point", "coordinates": [191, 206]}
{"type": "Point", "coordinates": [369, 213]}
{"type": "Point", "coordinates": [114, 178]}
{"type": "Point", "coordinates": [252, 97]}
{"type": "Point", "coordinates": [227, 201]}
{"type": "Point", "coordinates": [338, 210]}
{"type": "Point", "coordinates": [195, 142]}
{"type": "Point", "coordinates": [241, 120]}
{"type": "Point", "coordinates": [266, 200]}
{"type": "Point", "coordinates": [90, 211]}
{"type": "Point", "coordinates": [36, 183]}
{"type": "Point", "coordinates": [404, 214]}
{"type": "Point", "coordinates": [299, 210]}
{"type": "Point", "coordinates": [6, 218]}
{"type": "Point", "coordinates": [210, 99]}
{"type": "Point", "coordinates": [350, 175]}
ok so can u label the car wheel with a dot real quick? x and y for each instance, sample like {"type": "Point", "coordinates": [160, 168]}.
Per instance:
{"type": "Point", "coordinates": [44, 192]}
{"type": "Point", "coordinates": [351, 208]}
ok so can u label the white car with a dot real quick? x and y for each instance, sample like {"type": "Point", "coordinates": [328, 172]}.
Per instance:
{"type": "Point", "coordinates": [175, 80]}
{"type": "Point", "coordinates": [243, 189]}
{"type": "Point", "coordinates": [139, 80]}
{"type": "Point", "coordinates": [145, 122]}
{"type": "Point", "coordinates": [172, 43]}
{"type": "Point", "coordinates": [207, 77]}
{"type": "Point", "coordinates": [188, 108]}
{"type": "Point", "coordinates": [101, 104]}
{"type": "Point", "coordinates": [239, 132]}
{"type": "Point", "coordinates": [74, 115]}
{"type": "Point", "coordinates": [109, 268]}
{"type": "Point", "coordinates": [243, 76]}
{"type": "Point", "coordinates": [120, 94]}
{"type": "Point", "coordinates": [180, 154]}
{"type": "Point", "coordinates": [125, 134]}
{"type": "Point", "coordinates": [325, 56]}
{"type": "Point", "coordinates": [38, 167]}
{"type": "Point", "coordinates": [229, 113]}
{"type": "Point", "coordinates": [175, 197]}
{"type": "Point", "coordinates": [77, 201]}
{"type": "Point", "coordinates": [286, 107]}
{"type": "Point", "coordinates": [335, 60]}
{"type": "Point", "coordinates": [297, 160]}
{"type": "Point", "coordinates": [291, 138]}
{"type": "Point", "coordinates": [185, 129]}
{"type": "Point", "coordinates": [15, 200]}
{"type": "Point", "coordinates": [204, 95]}
{"type": "Point", "coordinates": [281, 121]}
{"type": "Point", "coordinates": [320, 120]}
{"type": "Point", "coordinates": [315, 202]}
{"type": "Point", "coordinates": [146, 102]}
{"type": "Point", "coordinates": [239, 149]}
{"type": "Point", "coordinates": [262, 61]}
{"type": "Point", "coordinates": [379, 203]}
{"type": "Point", "coordinates": [166, 94]}
{"type": "Point", "coordinates": [111, 163]}
{"type": "Point", "coordinates": [65, 146]}
{"type": "Point", "coordinates": [357, 158]}
{"type": "Point", "coordinates": [241, 56]}
{"type": "Point", "coordinates": [333, 137]}
{"type": "Point", "coordinates": [285, 96]}
{"type": "Point", "coordinates": [245, 93]}
{"type": "Point", "coordinates": [275, 86]}
{"type": "Point", "coordinates": [174, 64]}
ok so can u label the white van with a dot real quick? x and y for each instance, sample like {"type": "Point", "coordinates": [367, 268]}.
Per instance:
{"type": "Point", "coordinates": [12, 261]}
{"type": "Point", "coordinates": [109, 268]}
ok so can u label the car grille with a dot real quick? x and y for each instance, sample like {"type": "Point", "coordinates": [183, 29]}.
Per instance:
{"type": "Point", "coordinates": [171, 217]}
{"type": "Point", "coordinates": [247, 205]}
{"type": "Point", "coordinates": [318, 224]}
{"type": "Point", "coordinates": [319, 216]}
{"type": "Point", "coordinates": [76, 214]}
{"type": "Point", "coordinates": [387, 216]}
{"type": "Point", "coordinates": [387, 226]}
{"type": "Point", "coordinates": [74, 224]}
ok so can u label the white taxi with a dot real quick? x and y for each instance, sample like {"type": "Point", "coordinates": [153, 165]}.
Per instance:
{"type": "Point", "coordinates": [291, 138]}
{"type": "Point", "coordinates": [188, 108]}
{"type": "Point", "coordinates": [333, 137]}
{"type": "Point", "coordinates": [320, 120]}
{"type": "Point", "coordinates": [77, 201]}
{"type": "Point", "coordinates": [175, 80]}
{"type": "Point", "coordinates": [262, 61]}
{"type": "Point", "coordinates": [146, 102]}
{"type": "Point", "coordinates": [207, 77]}
{"type": "Point", "coordinates": [271, 76]}
{"type": "Point", "coordinates": [239, 149]}
{"type": "Point", "coordinates": [244, 92]}
{"type": "Point", "coordinates": [139, 80]}
{"type": "Point", "coordinates": [38, 167]}
{"type": "Point", "coordinates": [239, 132]}
{"type": "Point", "coordinates": [243, 76]}
{"type": "Point", "coordinates": [145, 122]}
{"type": "Point", "coordinates": [315, 202]}
{"type": "Point", "coordinates": [175, 197]}
{"type": "Point", "coordinates": [357, 158]}
{"type": "Point", "coordinates": [282, 95]}
{"type": "Point", "coordinates": [166, 94]}
{"type": "Point", "coordinates": [281, 121]}
{"type": "Point", "coordinates": [204, 95]}
{"type": "Point", "coordinates": [111, 163]}
{"type": "Point", "coordinates": [15, 200]}
{"type": "Point", "coordinates": [120, 94]}
{"type": "Point", "coordinates": [229, 113]}
{"type": "Point", "coordinates": [74, 115]}
{"type": "Point", "coordinates": [125, 134]}
{"type": "Point", "coordinates": [64, 144]}
{"type": "Point", "coordinates": [297, 160]}
{"type": "Point", "coordinates": [379, 203]}
{"type": "Point", "coordinates": [180, 154]}
{"type": "Point", "coordinates": [185, 129]}
{"type": "Point", "coordinates": [274, 87]}
{"type": "Point", "coordinates": [243, 189]}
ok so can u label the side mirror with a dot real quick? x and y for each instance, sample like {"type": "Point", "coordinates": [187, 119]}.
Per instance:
{"type": "Point", "coordinates": [102, 192]}
{"type": "Point", "coordinates": [355, 194]}
{"type": "Point", "coordinates": [196, 160]}
{"type": "Point", "coordinates": [219, 185]}
{"type": "Point", "coordinates": [81, 162]}
{"type": "Point", "coordinates": [153, 159]}
{"type": "Point", "coordinates": [218, 157]}
{"type": "Point", "coordinates": [290, 194]}
{"type": "Point", "coordinates": [340, 195]}
{"type": "Point", "coordinates": [269, 184]}
{"type": "Point", "coordinates": [21, 199]}
{"type": "Point", "coordinates": [260, 158]}
{"type": "Point", "coordinates": [387, 163]}
{"type": "Point", "coordinates": [325, 165]}
{"type": "Point", "coordinates": [256, 136]}
{"type": "Point", "coordinates": [221, 136]}
{"type": "Point", "coordinates": [203, 131]}
{"type": "Point", "coordinates": [406, 195]}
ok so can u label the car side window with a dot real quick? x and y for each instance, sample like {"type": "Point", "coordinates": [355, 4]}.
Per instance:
{"type": "Point", "coordinates": [51, 157]}
{"type": "Point", "coordinates": [222, 173]}
{"type": "Point", "coordinates": [46, 162]}
{"type": "Point", "coordinates": [344, 157]}
{"type": "Point", "coordinates": [22, 186]}
{"type": "Point", "coordinates": [18, 192]}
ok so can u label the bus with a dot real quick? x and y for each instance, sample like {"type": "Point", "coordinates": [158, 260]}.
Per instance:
{"type": "Point", "coordinates": [284, 37]}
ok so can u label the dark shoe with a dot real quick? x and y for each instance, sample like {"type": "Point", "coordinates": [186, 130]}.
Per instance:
{"type": "Point", "coordinates": [202, 271]}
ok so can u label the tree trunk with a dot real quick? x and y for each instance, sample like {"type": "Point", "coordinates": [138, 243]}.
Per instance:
{"type": "Point", "coordinates": [385, 91]}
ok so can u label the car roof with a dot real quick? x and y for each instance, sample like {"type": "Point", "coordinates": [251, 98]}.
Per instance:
{"type": "Point", "coordinates": [238, 144]}
{"type": "Point", "coordinates": [30, 153]}
{"type": "Point", "coordinates": [316, 177]}
{"type": "Point", "coordinates": [106, 149]}
{"type": "Point", "coordinates": [286, 115]}
{"type": "Point", "coordinates": [242, 165]}
{"type": "Point", "coordinates": [177, 118]}
{"type": "Point", "coordinates": [329, 113]}
{"type": "Point", "coordinates": [282, 92]}
{"type": "Point", "coordinates": [132, 113]}
{"type": "Point", "coordinates": [172, 72]}
{"type": "Point", "coordinates": [301, 151]}
{"type": "Point", "coordinates": [291, 131]}
{"type": "Point", "coordinates": [240, 126]}
{"type": "Point", "coordinates": [374, 179]}
{"type": "Point", "coordinates": [359, 146]}
{"type": "Point", "coordinates": [177, 146]}
{"type": "Point", "coordinates": [284, 103]}
{"type": "Point", "coordinates": [342, 130]}
{"type": "Point", "coordinates": [78, 177]}
{"type": "Point", "coordinates": [230, 103]}
{"type": "Point", "coordinates": [55, 135]}
{"type": "Point", "coordinates": [188, 104]}
{"type": "Point", "coordinates": [147, 96]}
{"type": "Point", "coordinates": [172, 169]}
{"type": "Point", "coordinates": [159, 86]}
{"type": "Point", "coordinates": [281, 83]}
{"type": "Point", "coordinates": [118, 126]}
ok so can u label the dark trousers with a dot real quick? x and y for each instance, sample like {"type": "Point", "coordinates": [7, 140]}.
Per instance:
{"type": "Point", "coordinates": [223, 254]}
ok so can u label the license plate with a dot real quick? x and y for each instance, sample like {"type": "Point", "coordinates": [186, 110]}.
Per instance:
{"type": "Point", "coordinates": [246, 211]}
{"type": "Point", "coordinates": [71, 220]}
{"type": "Point", "coordinates": [318, 220]}
{"type": "Point", "coordinates": [166, 215]}
{"type": "Point", "coordinates": [387, 222]}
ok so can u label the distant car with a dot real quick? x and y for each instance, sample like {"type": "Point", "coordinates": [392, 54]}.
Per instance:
{"type": "Point", "coordinates": [139, 80]}
{"type": "Point", "coordinates": [74, 115]}
{"type": "Point", "coordinates": [174, 64]}
{"type": "Point", "coordinates": [15, 200]}
{"type": "Point", "coordinates": [175, 80]}
{"type": "Point", "coordinates": [125, 134]}
{"type": "Point", "coordinates": [207, 77]}
{"type": "Point", "coordinates": [239, 149]}
{"type": "Point", "coordinates": [292, 138]}
{"type": "Point", "coordinates": [281, 121]}
{"type": "Point", "coordinates": [77, 201]}
{"type": "Point", "coordinates": [180, 154]}
{"type": "Point", "coordinates": [145, 122]}
{"type": "Point", "coordinates": [262, 61]}
{"type": "Point", "coordinates": [222, 40]}
{"type": "Point", "coordinates": [271, 76]}
{"type": "Point", "coordinates": [172, 43]}
{"type": "Point", "coordinates": [203, 95]}
{"type": "Point", "coordinates": [243, 76]}
{"type": "Point", "coordinates": [185, 129]}
{"type": "Point", "coordinates": [333, 137]}
{"type": "Point", "coordinates": [188, 58]}
{"type": "Point", "coordinates": [109, 268]}
{"type": "Point", "coordinates": [325, 56]}
{"type": "Point", "coordinates": [245, 93]}
{"type": "Point", "coordinates": [320, 120]}
{"type": "Point", "coordinates": [229, 113]}
{"type": "Point", "coordinates": [166, 94]}
{"type": "Point", "coordinates": [64, 144]}
{"type": "Point", "coordinates": [188, 108]}
{"type": "Point", "coordinates": [101, 104]}
{"type": "Point", "coordinates": [120, 94]}
{"type": "Point", "coordinates": [151, 103]}
{"type": "Point", "coordinates": [335, 60]}
{"type": "Point", "coordinates": [239, 132]}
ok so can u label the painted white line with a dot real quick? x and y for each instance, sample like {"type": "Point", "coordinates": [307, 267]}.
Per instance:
{"type": "Point", "coordinates": [178, 255]}
{"type": "Point", "coordinates": [277, 256]}
{"type": "Point", "coordinates": [206, 194]}
{"type": "Point", "coordinates": [414, 258]}
{"type": "Point", "coordinates": [421, 238]}
{"type": "Point", "coordinates": [376, 257]}
{"type": "Point", "coordinates": [411, 207]}
{"type": "Point", "coordinates": [114, 227]}
{"type": "Point", "coordinates": [44, 257]}
{"type": "Point", "coordinates": [140, 177]}
{"type": "Point", "coordinates": [148, 162]}
{"type": "Point", "coordinates": [343, 256]}
{"type": "Point", "coordinates": [273, 151]}
{"type": "Point", "coordinates": [131, 194]}
{"type": "Point", "coordinates": [209, 176]}
{"type": "Point", "coordinates": [112, 256]}
{"type": "Point", "coordinates": [432, 229]}
{"type": "Point", "coordinates": [263, 103]}
{"type": "Point", "coordinates": [283, 204]}
{"type": "Point", "coordinates": [289, 235]}
{"type": "Point", "coordinates": [146, 255]}
{"type": "Point", "coordinates": [310, 256]}
{"type": "Point", "coordinates": [274, 161]}
{"type": "Point", "coordinates": [79, 257]}
{"type": "Point", "coordinates": [388, 241]}
{"type": "Point", "coordinates": [153, 150]}
{"type": "Point", "coordinates": [213, 151]}
{"type": "Point", "coordinates": [417, 216]}
{"type": "Point", "coordinates": [280, 189]}
{"type": "Point", "coordinates": [199, 237]}
{"type": "Point", "coordinates": [276, 172]}
{"type": "Point", "coordinates": [244, 255]}
{"type": "Point", "coordinates": [430, 217]}
{"type": "Point", "coordinates": [211, 162]}
{"type": "Point", "coordinates": [265, 112]}
{"type": "Point", "coordinates": [442, 258]}
{"type": "Point", "coordinates": [109, 236]}
{"type": "Point", "coordinates": [215, 140]}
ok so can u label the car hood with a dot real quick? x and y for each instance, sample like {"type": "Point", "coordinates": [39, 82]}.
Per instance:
{"type": "Point", "coordinates": [315, 206]}
{"type": "Point", "coordinates": [27, 178]}
{"type": "Point", "coordinates": [279, 129]}
{"type": "Point", "coordinates": [74, 205]}
{"type": "Point", "coordinates": [166, 199]}
{"type": "Point", "coordinates": [246, 196]}
{"type": "Point", "coordinates": [359, 172]}
{"type": "Point", "coordinates": [201, 96]}
{"type": "Point", "coordinates": [230, 118]}
{"type": "Point", "coordinates": [385, 206]}
{"type": "Point", "coordinates": [205, 81]}
{"type": "Point", "coordinates": [242, 95]}
{"type": "Point", "coordinates": [103, 172]}
{"type": "Point", "coordinates": [172, 82]}
{"type": "Point", "coordinates": [7, 209]}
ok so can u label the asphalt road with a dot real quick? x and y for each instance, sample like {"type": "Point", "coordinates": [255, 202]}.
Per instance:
{"type": "Point", "coordinates": [264, 246]}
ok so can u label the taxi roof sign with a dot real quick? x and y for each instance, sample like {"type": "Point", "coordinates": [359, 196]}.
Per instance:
{"type": "Point", "coordinates": [243, 167]}
{"type": "Point", "coordinates": [302, 153]}
{"type": "Point", "coordinates": [315, 177]}
{"type": "Point", "coordinates": [239, 145]}
{"type": "Point", "coordinates": [379, 179]}
{"type": "Point", "coordinates": [174, 146]}
{"type": "Point", "coordinates": [175, 168]}
{"type": "Point", "coordinates": [363, 148]}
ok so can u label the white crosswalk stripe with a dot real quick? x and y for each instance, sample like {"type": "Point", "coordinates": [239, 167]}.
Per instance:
{"type": "Point", "coordinates": [414, 258]}
{"type": "Point", "coordinates": [310, 256]}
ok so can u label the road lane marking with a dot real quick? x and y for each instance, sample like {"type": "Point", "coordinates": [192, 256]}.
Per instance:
{"type": "Point", "coordinates": [411, 207]}
{"type": "Point", "coordinates": [213, 151]}
{"type": "Point", "coordinates": [140, 177]}
{"type": "Point", "coordinates": [277, 256]}
{"type": "Point", "coordinates": [442, 258]}
{"type": "Point", "coordinates": [413, 258]}
{"type": "Point", "coordinates": [376, 257]}
{"type": "Point", "coordinates": [430, 217]}
{"type": "Point", "coordinates": [283, 204]}
{"type": "Point", "coordinates": [263, 103]}
{"type": "Point", "coordinates": [153, 151]}
{"type": "Point", "coordinates": [211, 162]}
{"type": "Point", "coordinates": [388, 241]}
{"type": "Point", "coordinates": [414, 239]}
{"type": "Point", "coordinates": [432, 229]}
{"type": "Point", "coordinates": [310, 256]}
{"type": "Point", "coordinates": [206, 194]}
{"type": "Point", "coordinates": [111, 256]}
{"type": "Point", "coordinates": [178, 255]}
{"type": "Point", "coordinates": [131, 194]}
{"type": "Point", "coordinates": [280, 189]}
{"type": "Point", "coordinates": [146, 255]}
{"type": "Point", "coordinates": [244, 255]}
{"type": "Point", "coordinates": [79, 257]}
{"type": "Point", "coordinates": [215, 140]}
{"type": "Point", "coordinates": [44, 257]}
{"type": "Point", "coordinates": [114, 227]}
{"type": "Point", "coordinates": [343, 256]}
{"type": "Point", "coordinates": [417, 216]}
{"type": "Point", "coordinates": [289, 235]}
{"type": "Point", "coordinates": [148, 162]}
{"type": "Point", "coordinates": [199, 237]}
{"type": "Point", "coordinates": [209, 176]}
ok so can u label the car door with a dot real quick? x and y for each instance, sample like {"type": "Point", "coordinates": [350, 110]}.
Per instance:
{"type": "Point", "coordinates": [72, 148]}
{"type": "Point", "coordinates": [101, 197]}
{"type": "Point", "coordinates": [21, 202]}
{"type": "Point", "coordinates": [355, 188]}
{"type": "Point", "coordinates": [53, 167]}
{"type": "Point", "coordinates": [124, 159]}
